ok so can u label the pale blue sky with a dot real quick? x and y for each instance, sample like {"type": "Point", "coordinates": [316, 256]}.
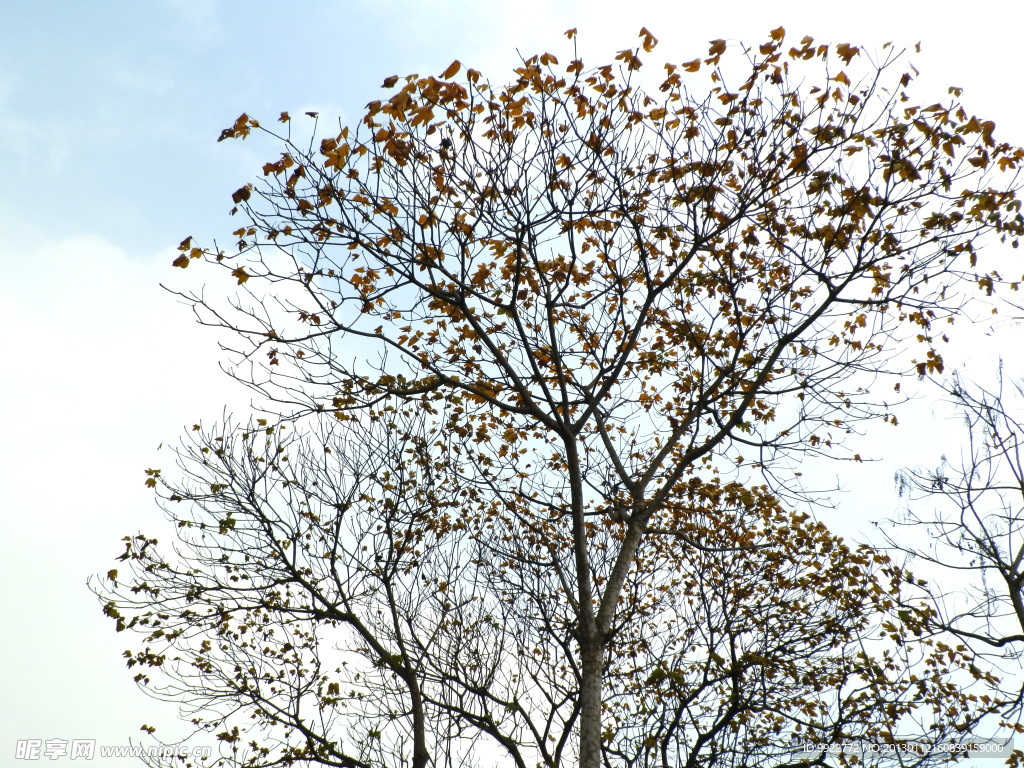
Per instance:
{"type": "Point", "coordinates": [109, 114]}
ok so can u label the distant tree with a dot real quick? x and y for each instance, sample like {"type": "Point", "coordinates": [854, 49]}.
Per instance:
{"type": "Point", "coordinates": [545, 357]}
{"type": "Point", "coordinates": [973, 515]}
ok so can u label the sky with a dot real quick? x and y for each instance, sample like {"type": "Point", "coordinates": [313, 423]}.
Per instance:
{"type": "Point", "coordinates": [109, 114]}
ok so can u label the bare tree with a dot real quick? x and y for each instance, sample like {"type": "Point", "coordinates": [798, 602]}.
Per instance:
{"type": "Point", "coordinates": [973, 514]}
{"type": "Point", "coordinates": [330, 601]}
{"type": "Point", "coordinates": [582, 335]}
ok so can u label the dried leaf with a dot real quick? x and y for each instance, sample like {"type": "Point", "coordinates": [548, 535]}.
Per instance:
{"type": "Point", "coordinates": [452, 71]}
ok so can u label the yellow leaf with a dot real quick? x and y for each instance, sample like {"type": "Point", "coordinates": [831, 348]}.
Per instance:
{"type": "Point", "coordinates": [649, 40]}
{"type": "Point", "coordinates": [452, 71]}
{"type": "Point", "coordinates": [630, 59]}
{"type": "Point", "coordinates": [239, 129]}
{"type": "Point", "coordinates": [778, 34]}
{"type": "Point", "coordinates": [717, 48]}
{"type": "Point", "coordinates": [692, 66]}
{"type": "Point", "coordinates": [241, 274]}
{"type": "Point", "coordinates": [570, 33]}
{"type": "Point", "coordinates": [284, 118]}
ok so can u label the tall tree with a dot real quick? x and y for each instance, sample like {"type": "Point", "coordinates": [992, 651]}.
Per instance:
{"type": "Point", "coordinates": [972, 514]}
{"type": "Point", "coordinates": [576, 335]}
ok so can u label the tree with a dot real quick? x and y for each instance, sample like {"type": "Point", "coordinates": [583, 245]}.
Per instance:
{"type": "Point", "coordinates": [606, 324]}
{"type": "Point", "coordinates": [974, 520]}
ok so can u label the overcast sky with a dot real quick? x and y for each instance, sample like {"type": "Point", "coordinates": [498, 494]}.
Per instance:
{"type": "Point", "coordinates": [109, 114]}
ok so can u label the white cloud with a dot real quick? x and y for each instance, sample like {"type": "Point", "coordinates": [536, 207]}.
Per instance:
{"type": "Point", "coordinates": [101, 365]}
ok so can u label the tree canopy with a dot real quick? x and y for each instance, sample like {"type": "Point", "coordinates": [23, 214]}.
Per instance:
{"type": "Point", "coordinates": [540, 362]}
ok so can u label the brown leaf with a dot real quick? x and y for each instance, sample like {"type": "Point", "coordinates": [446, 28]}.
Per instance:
{"type": "Point", "coordinates": [649, 40]}
{"type": "Point", "coordinates": [847, 52]}
{"type": "Point", "coordinates": [452, 71]}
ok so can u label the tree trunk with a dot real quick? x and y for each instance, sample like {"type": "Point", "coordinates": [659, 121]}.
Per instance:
{"type": "Point", "coordinates": [592, 653]}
